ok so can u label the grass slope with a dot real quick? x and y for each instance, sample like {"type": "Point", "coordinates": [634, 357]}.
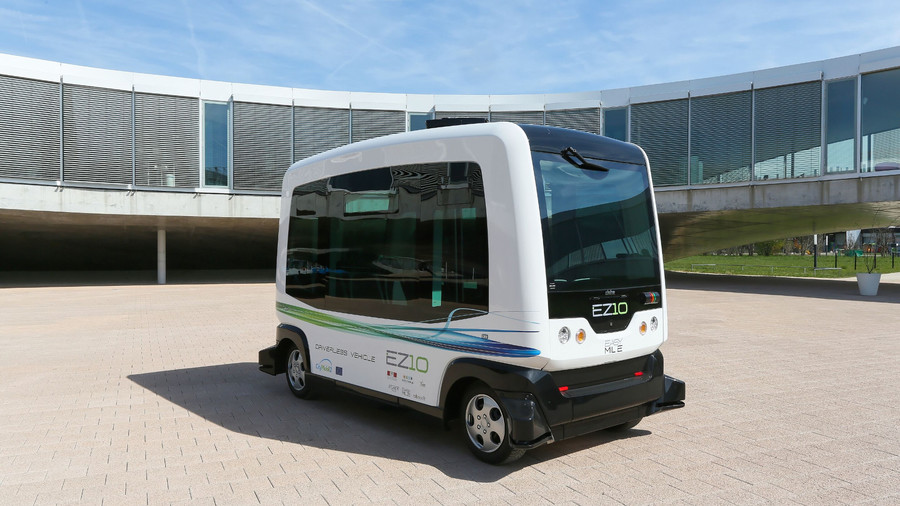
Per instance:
{"type": "Point", "coordinates": [781, 265]}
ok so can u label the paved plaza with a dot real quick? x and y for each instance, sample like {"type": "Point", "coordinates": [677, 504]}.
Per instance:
{"type": "Point", "coordinates": [151, 395]}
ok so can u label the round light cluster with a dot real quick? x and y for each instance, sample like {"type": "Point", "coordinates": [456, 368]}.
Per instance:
{"type": "Point", "coordinates": [580, 336]}
{"type": "Point", "coordinates": [654, 324]}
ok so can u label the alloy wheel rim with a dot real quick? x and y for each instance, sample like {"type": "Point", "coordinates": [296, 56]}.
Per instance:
{"type": "Point", "coordinates": [296, 371]}
{"type": "Point", "coordinates": [484, 423]}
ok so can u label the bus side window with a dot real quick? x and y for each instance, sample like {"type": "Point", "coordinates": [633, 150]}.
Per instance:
{"type": "Point", "coordinates": [406, 243]}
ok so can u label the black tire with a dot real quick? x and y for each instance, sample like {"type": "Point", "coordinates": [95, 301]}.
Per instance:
{"type": "Point", "coordinates": [296, 370]}
{"type": "Point", "coordinates": [622, 427]}
{"type": "Point", "coordinates": [486, 426]}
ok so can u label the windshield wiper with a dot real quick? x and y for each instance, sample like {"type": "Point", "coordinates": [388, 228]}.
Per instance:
{"type": "Point", "coordinates": [572, 156]}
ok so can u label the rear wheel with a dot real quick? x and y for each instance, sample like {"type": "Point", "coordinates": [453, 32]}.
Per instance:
{"type": "Point", "coordinates": [485, 426]}
{"type": "Point", "coordinates": [295, 369]}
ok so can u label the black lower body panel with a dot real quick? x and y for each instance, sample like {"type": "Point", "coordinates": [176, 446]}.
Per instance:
{"type": "Point", "coordinates": [267, 359]}
{"type": "Point", "coordinates": [576, 402]}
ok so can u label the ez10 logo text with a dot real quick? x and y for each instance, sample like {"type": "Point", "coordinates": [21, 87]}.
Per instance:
{"type": "Point", "coordinates": [406, 361]}
{"type": "Point", "coordinates": [609, 309]}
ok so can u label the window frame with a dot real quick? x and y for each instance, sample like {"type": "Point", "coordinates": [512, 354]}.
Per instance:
{"type": "Point", "coordinates": [229, 134]}
{"type": "Point", "coordinates": [855, 157]}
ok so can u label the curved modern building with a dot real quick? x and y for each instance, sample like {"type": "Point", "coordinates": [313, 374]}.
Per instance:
{"type": "Point", "coordinates": [109, 170]}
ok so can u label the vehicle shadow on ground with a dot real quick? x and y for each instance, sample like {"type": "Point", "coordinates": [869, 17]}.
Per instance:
{"type": "Point", "coordinates": [239, 398]}
{"type": "Point", "coordinates": [834, 289]}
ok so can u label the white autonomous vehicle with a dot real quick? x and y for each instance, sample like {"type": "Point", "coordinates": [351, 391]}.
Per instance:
{"type": "Point", "coordinates": [505, 276]}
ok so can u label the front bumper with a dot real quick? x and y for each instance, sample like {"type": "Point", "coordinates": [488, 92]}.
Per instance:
{"type": "Point", "coordinates": [268, 358]}
{"type": "Point", "coordinates": [591, 399]}
{"type": "Point", "coordinates": [673, 397]}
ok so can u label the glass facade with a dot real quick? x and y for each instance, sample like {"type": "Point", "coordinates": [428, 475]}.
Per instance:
{"type": "Point", "coordinates": [840, 126]}
{"type": "Point", "coordinates": [615, 123]}
{"type": "Point", "coordinates": [881, 121]}
{"type": "Point", "coordinates": [216, 143]}
{"type": "Point", "coordinates": [96, 135]}
{"type": "Point", "coordinates": [405, 243]}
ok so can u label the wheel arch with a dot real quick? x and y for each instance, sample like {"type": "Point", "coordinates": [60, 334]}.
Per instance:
{"type": "Point", "coordinates": [463, 372]}
{"type": "Point", "coordinates": [286, 336]}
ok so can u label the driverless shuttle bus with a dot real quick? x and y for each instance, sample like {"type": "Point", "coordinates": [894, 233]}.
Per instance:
{"type": "Point", "coordinates": [506, 276]}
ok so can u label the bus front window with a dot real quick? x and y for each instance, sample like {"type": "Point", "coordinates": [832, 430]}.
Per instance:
{"type": "Point", "coordinates": [597, 223]}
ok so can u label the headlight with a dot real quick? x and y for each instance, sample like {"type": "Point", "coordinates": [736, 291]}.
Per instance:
{"type": "Point", "coordinates": [654, 323]}
{"type": "Point", "coordinates": [564, 335]}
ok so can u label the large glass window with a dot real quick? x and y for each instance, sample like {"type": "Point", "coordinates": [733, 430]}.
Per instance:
{"type": "Point", "coordinates": [840, 126]}
{"type": "Point", "coordinates": [405, 243]}
{"type": "Point", "coordinates": [216, 156]}
{"type": "Point", "coordinates": [615, 123]}
{"type": "Point", "coordinates": [417, 120]}
{"type": "Point", "coordinates": [881, 121]}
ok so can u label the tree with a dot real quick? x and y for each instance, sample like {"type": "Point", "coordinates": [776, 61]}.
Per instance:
{"type": "Point", "coordinates": [767, 248]}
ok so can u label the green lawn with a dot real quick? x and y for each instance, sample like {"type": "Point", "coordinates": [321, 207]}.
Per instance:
{"type": "Point", "coordinates": [781, 265]}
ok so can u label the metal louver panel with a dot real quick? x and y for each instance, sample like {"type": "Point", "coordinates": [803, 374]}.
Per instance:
{"type": "Point", "coordinates": [460, 114]}
{"type": "Point", "coordinates": [167, 141]}
{"type": "Point", "coordinates": [788, 131]}
{"type": "Point", "coordinates": [318, 129]}
{"type": "Point", "coordinates": [96, 135]}
{"type": "Point", "coordinates": [661, 128]}
{"type": "Point", "coordinates": [262, 145]}
{"type": "Point", "coordinates": [522, 117]}
{"type": "Point", "coordinates": [721, 149]}
{"type": "Point", "coordinates": [586, 120]}
{"type": "Point", "coordinates": [368, 124]}
{"type": "Point", "coordinates": [29, 129]}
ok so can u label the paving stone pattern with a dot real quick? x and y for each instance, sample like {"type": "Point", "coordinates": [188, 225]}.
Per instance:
{"type": "Point", "coordinates": [151, 395]}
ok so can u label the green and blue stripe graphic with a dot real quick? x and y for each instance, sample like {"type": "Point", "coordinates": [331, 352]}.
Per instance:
{"type": "Point", "coordinates": [445, 338]}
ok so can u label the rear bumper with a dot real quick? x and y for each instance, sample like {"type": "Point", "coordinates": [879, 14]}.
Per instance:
{"type": "Point", "coordinates": [596, 398]}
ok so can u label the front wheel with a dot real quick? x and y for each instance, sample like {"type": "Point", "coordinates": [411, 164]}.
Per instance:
{"type": "Point", "coordinates": [296, 369]}
{"type": "Point", "coordinates": [486, 425]}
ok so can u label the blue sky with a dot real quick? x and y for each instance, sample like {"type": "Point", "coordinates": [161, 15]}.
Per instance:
{"type": "Point", "coordinates": [446, 47]}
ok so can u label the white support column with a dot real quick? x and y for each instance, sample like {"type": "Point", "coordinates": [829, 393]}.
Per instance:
{"type": "Point", "coordinates": [161, 256]}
